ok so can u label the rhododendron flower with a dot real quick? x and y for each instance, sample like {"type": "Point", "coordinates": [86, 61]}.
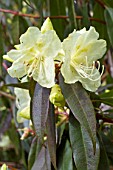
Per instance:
{"type": "Point", "coordinates": [35, 55]}
{"type": "Point", "coordinates": [82, 48]}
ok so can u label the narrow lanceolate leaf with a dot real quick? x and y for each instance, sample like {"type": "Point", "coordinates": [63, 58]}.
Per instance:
{"type": "Point", "coordinates": [84, 156]}
{"type": "Point", "coordinates": [43, 160]}
{"type": "Point", "coordinates": [104, 162]}
{"type": "Point", "coordinates": [71, 13]}
{"type": "Point", "coordinates": [109, 21]}
{"type": "Point", "coordinates": [1, 48]}
{"type": "Point", "coordinates": [32, 153]}
{"type": "Point", "coordinates": [81, 107]}
{"type": "Point", "coordinates": [65, 157]}
{"type": "Point", "coordinates": [51, 134]}
{"type": "Point", "coordinates": [40, 106]}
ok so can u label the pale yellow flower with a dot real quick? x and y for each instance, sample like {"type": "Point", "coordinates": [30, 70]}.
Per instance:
{"type": "Point", "coordinates": [82, 48]}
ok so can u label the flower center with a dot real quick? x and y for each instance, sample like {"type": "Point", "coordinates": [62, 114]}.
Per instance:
{"type": "Point", "coordinates": [86, 71]}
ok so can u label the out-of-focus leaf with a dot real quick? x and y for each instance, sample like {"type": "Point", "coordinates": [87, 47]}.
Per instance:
{"type": "Point", "coordinates": [40, 106]}
{"type": "Point", "coordinates": [1, 48]}
{"type": "Point", "coordinates": [57, 8]}
{"type": "Point", "coordinates": [43, 160]}
{"type": "Point", "coordinates": [109, 22]}
{"type": "Point", "coordinates": [19, 26]}
{"type": "Point", "coordinates": [5, 121]}
{"type": "Point", "coordinates": [100, 28]}
{"type": "Point", "coordinates": [85, 20]}
{"type": "Point", "coordinates": [19, 85]}
{"type": "Point", "coordinates": [83, 153]}
{"type": "Point", "coordinates": [108, 3]}
{"type": "Point", "coordinates": [72, 15]}
{"type": "Point", "coordinates": [103, 163]}
{"type": "Point", "coordinates": [51, 134]}
{"type": "Point", "coordinates": [81, 107]}
{"type": "Point", "coordinates": [107, 98]}
{"type": "Point", "coordinates": [65, 157]}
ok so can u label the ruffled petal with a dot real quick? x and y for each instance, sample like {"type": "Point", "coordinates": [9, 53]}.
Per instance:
{"type": "Point", "coordinates": [44, 73]}
{"type": "Point", "coordinates": [91, 85]}
{"type": "Point", "coordinates": [30, 37]}
{"type": "Point", "coordinates": [18, 69]}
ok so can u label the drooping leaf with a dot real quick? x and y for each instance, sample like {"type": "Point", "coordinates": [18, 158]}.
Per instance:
{"type": "Point", "coordinates": [51, 134]}
{"type": "Point", "coordinates": [43, 160]}
{"type": "Point", "coordinates": [103, 163]}
{"type": "Point", "coordinates": [60, 130]}
{"type": "Point", "coordinates": [65, 157]}
{"type": "Point", "coordinates": [40, 106]}
{"type": "Point", "coordinates": [81, 107]}
{"type": "Point", "coordinates": [1, 48]}
{"type": "Point", "coordinates": [32, 153]}
{"type": "Point", "coordinates": [83, 153]}
{"type": "Point", "coordinates": [109, 21]}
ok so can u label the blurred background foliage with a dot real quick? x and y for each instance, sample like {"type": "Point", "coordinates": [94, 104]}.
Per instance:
{"type": "Point", "coordinates": [15, 17]}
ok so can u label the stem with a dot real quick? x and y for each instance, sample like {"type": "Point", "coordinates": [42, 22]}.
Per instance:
{"type": "Point", "coordinates": [7, 95]}
{"type": "Point", "coordinates": [52, 17]}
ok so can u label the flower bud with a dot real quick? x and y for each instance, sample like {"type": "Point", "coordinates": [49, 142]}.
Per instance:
{"type": "Point", "coordinates": [56, 96]}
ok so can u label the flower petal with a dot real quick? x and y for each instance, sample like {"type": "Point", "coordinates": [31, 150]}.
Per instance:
{"type": "Point", "coordinates": [30, 37]}
{"type": "Point", "coordinates": [18, 69]}
{"type": "Point", "coordinates": [69, 73]}
{"type": "Point", "coordinates": [47, 25]}
{"type": "Point", "coordinates": [51, 44]}
{"type": "Point", "coordinates": [91, 85]}
{"type": "Point", "coordinates": [44, 73]}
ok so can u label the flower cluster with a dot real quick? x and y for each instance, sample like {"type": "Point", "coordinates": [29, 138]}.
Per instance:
{"type": "Point", "coordinates": [36, 54]}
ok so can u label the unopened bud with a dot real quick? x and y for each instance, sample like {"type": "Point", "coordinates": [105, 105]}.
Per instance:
{"type": "Point", "coordinates": [56, 97]}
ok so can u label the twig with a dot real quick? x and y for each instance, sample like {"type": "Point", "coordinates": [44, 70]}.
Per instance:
{"type": "Point", "coordinates": [7, 95]}
{"type": "Point", "coordinates": [52, 17]}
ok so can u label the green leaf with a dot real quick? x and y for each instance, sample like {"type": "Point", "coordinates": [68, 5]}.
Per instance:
{"type": "Point", "coordinates": [100, 27]}
{"type": "Point", "coordinates": [107, 98]}
{"type": "Point", "coordinates": [51, 134]}
{"type": "Point", "coordinates": [60, 131]}
{"type": "Point", "coordinates": [109, 21]}
{"type": "Point", "coordinates": [81, 107]}
{"type": "Point", "coordinates": [65, 157]}
{"type": "Point", "coordinates": [40, 106]}
{"type": "Point", "coordinates": [19, 26]}
{"type": "Point", "coordinates": [83, 153]}
{"type": "Point", "coordinates": [43, 160]}
{"type": "Point", "coordinates": [1, 48]}
{"type": "Point", "coordinates": [84, 10]}
{"type": "Point", "coordinates": [72, 15]}
{"type": "Point", "coordinates": [32, 153]}
{"type": "Point", "coordinates": [103, 163]}
{"type": "Point", "coordinates": [57, 8]}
